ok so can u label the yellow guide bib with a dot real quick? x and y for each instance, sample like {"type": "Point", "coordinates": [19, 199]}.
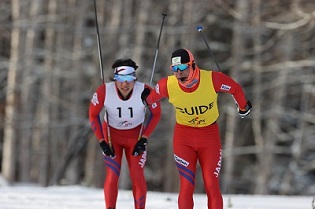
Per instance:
{"type": "Point", "coordinates": [198, 108]}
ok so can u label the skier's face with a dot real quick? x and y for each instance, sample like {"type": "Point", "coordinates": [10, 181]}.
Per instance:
{"type": "Point", "coordinates": [182, 75]}
{"type": "Point", "coordinates": [124, 87]}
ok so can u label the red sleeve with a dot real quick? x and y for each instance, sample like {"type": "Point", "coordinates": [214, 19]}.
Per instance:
{"type": "Point", "coordinates": [159, 92]}
{"type": "Point", "coordinates": [154, 118]}
{"type": "Point", "coordinates": [224, 83]}
{"type": "Point", "coordinates": [95, 108]}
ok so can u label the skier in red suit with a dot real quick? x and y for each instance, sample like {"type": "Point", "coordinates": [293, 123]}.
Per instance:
{"type": "Point", "coordinates": [193, 92]}
{"type": "Point", "coordinates": [121, 129]}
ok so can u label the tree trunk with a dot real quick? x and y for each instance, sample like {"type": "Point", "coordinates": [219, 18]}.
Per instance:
{"type": "Point", "coordinates": [94, 164]}
{"type": "Point", "coordinates": [45, 103]}
{"type": "Point", "coordinates": [28, 96]}
{"type": "Point", "coordinates": [11, 109]}
{"type": "Point", "coordinates": [75, 48]}
{"type": "Point", "coordinates": [231, 119]}
{"type": "Point", "coordinates": [170, 176]}
{"type": "Point", "coordinates": [257, 99]}
{"type": "Point", "coordinates": [138, 51]}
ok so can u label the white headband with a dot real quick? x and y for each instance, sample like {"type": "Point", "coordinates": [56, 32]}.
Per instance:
{"type": "Point", "coordinates": [124, 70]}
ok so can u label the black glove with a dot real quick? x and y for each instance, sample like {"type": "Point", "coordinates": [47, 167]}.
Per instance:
{"type": "Point", "coordinates": [107, 150]}
{"type": "Point", "coordinates": [145, 93]}
{"type": "Point", "coordinates": [140, 146]}
{"type": "Point", "coordinates": [247, 110]}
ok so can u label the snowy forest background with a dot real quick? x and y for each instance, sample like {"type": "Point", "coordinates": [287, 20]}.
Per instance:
{"type": "Point", "coordinates": [49, 70]}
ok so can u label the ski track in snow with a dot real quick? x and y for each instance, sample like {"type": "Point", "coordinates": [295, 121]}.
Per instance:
{"type": "Point", "coordinates": [80, 197]}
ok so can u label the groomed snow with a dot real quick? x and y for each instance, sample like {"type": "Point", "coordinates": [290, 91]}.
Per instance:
{"type": "Point", "coordinates": [79, 197]}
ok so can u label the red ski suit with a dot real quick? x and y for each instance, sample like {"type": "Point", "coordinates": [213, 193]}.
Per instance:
{"type": "Point", "coordinates": [122, 140]}
{"type": "Point", "coordinates": [192, 140]}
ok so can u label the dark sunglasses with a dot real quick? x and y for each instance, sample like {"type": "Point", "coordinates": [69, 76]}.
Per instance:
{"type": "Point", "coordinates": [180, 67]}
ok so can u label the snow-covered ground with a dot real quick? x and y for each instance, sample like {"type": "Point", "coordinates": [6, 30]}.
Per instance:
{"type": "Point", "coordinates": [78, 197]}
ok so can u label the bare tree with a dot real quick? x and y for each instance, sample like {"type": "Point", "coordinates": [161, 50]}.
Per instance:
{"type": "Point", "coordinates": [9, 159]}
{"type": "Point", "coordinates": [28, 93]}
{"type": "Point", "coordinates": [232, 120]}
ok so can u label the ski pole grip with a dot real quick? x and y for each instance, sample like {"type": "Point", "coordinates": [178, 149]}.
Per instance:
{"type": "Point", "coordinates": [199, 28]}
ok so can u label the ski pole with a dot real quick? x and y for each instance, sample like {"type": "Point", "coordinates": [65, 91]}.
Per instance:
{"type": "Point", "coordinates": [98, 44]}
{"type": "Point", "coordinates": [101, 68]}
{"type": "Point", "coordinates": [153, 68]}
{"type": "Point", "coordinates": [199, 29]}
{"type": "Point", "coordinates": [157, 48]}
